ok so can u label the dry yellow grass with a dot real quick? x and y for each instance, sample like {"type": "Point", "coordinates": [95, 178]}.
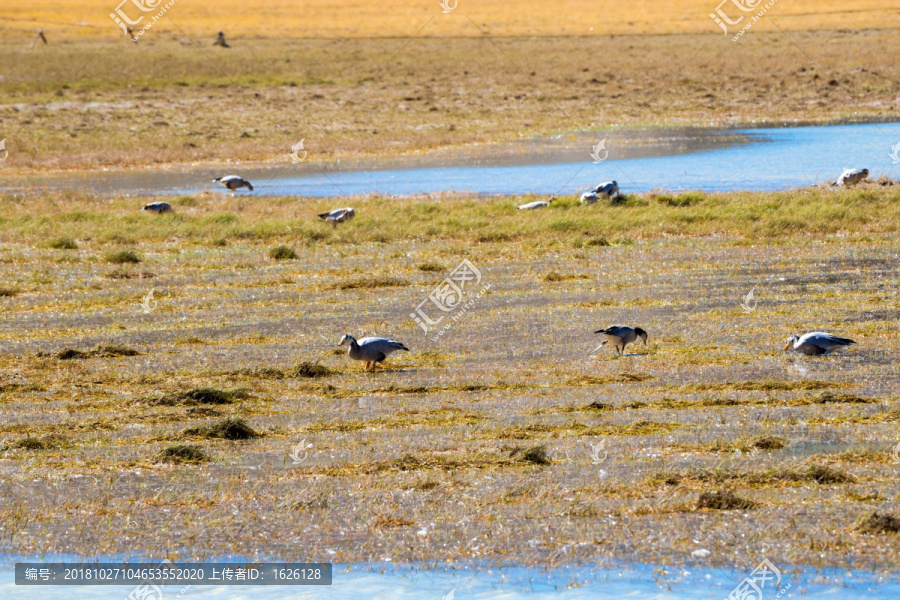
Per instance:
{"type": "Point", "coordinates": [363, 18]}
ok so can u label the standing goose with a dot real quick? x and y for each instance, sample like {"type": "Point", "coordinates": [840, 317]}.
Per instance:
{"type": "Point", "coordinates": [620, 336]}
{"type": "Point", "coordinates": [233, 182]}
{"type": "Point", "coordinates": [815, 343]}
{"type": "Point", "coordinates": [373, 350]}
{"type": "Point", "coordinates": [339, 215]}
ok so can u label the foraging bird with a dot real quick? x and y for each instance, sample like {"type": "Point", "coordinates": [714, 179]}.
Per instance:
{"type": "Point", "coordinates": [159, 207]}
{"type": "Point", "coordinates": [815, 343]}
{"type": "Point", "coordinates": [233, 182]}
{"type": "Point", "coordinates": [373, 350]}
{"type": "Point", "coordinates": [607, 190]}
{"type": "Point", "coordinates": [220, 40]}
{"type": "Point", "coordinates": [537, 204]}
{"type": "Point", "coordinates": [338, 215]}
{"type": "Point", "coordinates": [851, 177]}
{"type": "Point", "coordinates": [621, 336]}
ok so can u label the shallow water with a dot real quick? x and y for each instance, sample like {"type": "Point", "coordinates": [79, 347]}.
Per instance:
{"type": "Point", "coordinates": [638, 582]}
{"type": "Point", "coordinates": [709, 160]}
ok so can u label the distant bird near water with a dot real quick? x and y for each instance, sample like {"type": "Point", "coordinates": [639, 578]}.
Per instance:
{"type": "Point", "coordinates": [817, 342]}
{"type": "Point", "coordinates": [537, 204]}
{"type": "Point", "coordinates": [620, 336]}
{"type": "Point", "coordinates": [372, 350]}
{"type": "Point", "coordinates": [159, 207]}
{"type": "Point", "coordinates": [338, 215]}
{"type": "Point", "coordinates": [233, 182]}
{"type": "Point", "coordinates": [851, 177]}
{"type": "Point", "coordinates": [606, 190]}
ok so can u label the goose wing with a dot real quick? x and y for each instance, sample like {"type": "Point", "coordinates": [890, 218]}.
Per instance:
{"type": "Point", "coordinates": [385, 345]}
{"type": "Point", "coordinates": [616, 330]}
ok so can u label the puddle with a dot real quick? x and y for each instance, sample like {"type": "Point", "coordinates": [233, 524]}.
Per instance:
{"type": "Point", "coordinates": [667, 159]}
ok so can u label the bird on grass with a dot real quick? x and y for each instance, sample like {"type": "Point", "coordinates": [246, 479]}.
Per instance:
{"type": "Point", "coordinates": [159, 207]}
{"type": "Point", "coordinates": [233, 182]}
{"type": "Point", "coordinates": [620, 336]}
{"type": "Point", "coordinates": [606, 190]}
{"type": "Point", "coordinates": [851, 177]}
{"type": "Point", "coordinates": [372, 350]}
{"type": "Point", "coordinates": [537, 204]}
{"type": "Point", "coordinates": [338, 215]}
{"type": "Point", "coordinates": [815, 343]}
{"type": "Point", "coordinates": [220, 40]}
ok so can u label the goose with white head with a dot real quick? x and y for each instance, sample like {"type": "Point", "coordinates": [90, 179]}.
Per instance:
{"type": "Point", "coordinates": [816, 343]}
{"type": "Point", "coordinates": [372, 350]}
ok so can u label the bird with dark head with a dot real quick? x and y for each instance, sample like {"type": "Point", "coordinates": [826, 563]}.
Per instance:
{"type": "Point", "coordinates": [620, 336]}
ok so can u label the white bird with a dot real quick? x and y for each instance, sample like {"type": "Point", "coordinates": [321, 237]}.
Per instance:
{"type": "Point", "coordinates": [338, 215]}
{"type": "Point", "coordinates": [233, 182]}
{"type": "Point", "coordinates": [851, 177]}
{"type": "Point", "coordinates": [607, 190]}
{"type": "Point", "coordinates": [536, 204]}
{"type": "Point", "coordinates": [159, 207]}
{"type": "Point", "coordinates": [816, 343]}
{"type": "Point", "coordinates": [621, 336]}
{"type": "Point", "coordinates": [373, 350]}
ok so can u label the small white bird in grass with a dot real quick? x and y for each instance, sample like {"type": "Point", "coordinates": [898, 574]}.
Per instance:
{"type": "Point", "coordinates": [851, 177]}
{"type": "Point", "coordinates": [159, 207]}
{"type": "Point", "coordinates": [537, 204]}
{"type": "Point", "coordinates": [339, 215]}
{"type": "Point", "coordinates": [233, 182]}
{"type": "Point", "coordinates": [606, 190]}
{"type": "Point", "coordinates": [817, 342]}
{"type": "Point", "coordinates": [373, 350]}
{"type": "Point", "coordinates": [620, 336]}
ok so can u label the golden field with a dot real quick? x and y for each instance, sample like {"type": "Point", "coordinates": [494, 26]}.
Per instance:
{"type": "Point", "coordinates": [401, 18]}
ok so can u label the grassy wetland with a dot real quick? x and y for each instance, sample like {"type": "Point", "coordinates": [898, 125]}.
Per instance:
{"type": "Point", "coordinates": [217, 415]}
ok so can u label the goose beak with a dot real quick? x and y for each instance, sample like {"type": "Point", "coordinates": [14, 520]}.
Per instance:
{"type": "Point", "coordinates": [787, 346]}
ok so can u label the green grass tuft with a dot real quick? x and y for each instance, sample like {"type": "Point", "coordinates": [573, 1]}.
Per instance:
{"type": "Point", "coordinates": [723, 500]}
{"type": "Point", "coordinates": [282, 253]}
{"type": "Point", "coordinates": [182, 453]}
{"type": "Point", "coordinates": [64, 244]}
{"type": "Point", "coordinates": [232, 428]}
{"type": "Point", "coordinates": [122, 257]}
